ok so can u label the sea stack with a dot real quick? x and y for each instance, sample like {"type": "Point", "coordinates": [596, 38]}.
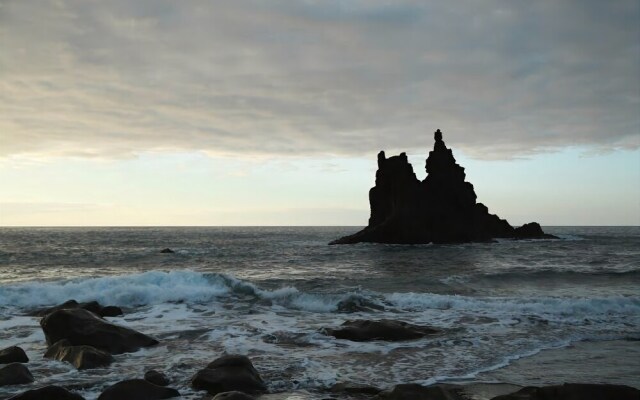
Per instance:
{"type": "Point", "coordinates": [440, 209]}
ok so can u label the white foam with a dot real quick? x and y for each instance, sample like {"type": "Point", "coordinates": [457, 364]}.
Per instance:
{"type": "Point", "coordinates": [577, 307]}
{"type": "Point", "coordinates": [152, 287]}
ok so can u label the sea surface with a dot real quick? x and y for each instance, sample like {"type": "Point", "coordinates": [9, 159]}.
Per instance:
{"type": "Point", "coordinates": [523, 312]}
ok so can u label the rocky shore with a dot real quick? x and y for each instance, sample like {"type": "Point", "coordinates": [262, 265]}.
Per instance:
{"type": "Point", "coordinates": [80, 334]}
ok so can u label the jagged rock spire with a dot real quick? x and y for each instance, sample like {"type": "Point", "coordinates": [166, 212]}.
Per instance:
{"type": "Point", "coordinates": [442, 208]}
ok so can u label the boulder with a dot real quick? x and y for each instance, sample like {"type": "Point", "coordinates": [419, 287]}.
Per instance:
{"type": "Point", "coordinates": [138, 389]}
{"type": "Point", "coordinates": [413, 391]}
{"type": "Point", "coordinates": [15, 374]}
{"type": "Point", "coordinates": [574, 391]}
{"type": "Point", "coordinates": [385, 329]}
{"type": "Point", "coordinates": [82, 327]}
{"type": "Point", "coordinates": [47, 393]}
{"type": "Point", "coordinates": [93, 306]}
{"type": "Point", "coordinates": [81, 357]}
{"type": "Point", "coordinates": [229, 373]}
{"type": "Point", "coordinates": [167, 251]}
{"type": "Point", "coordinates": [234, 395]}
{"type": "Point", "coordinates": [13, 354]}
{"type": "Point", "coordinates": [440, 209]}
{"type": "Point", "coordinates": [157, 378]}
{"type": "Point", "coordinates": [353, 389]}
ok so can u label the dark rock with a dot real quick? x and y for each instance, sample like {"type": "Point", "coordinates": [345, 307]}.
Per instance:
{"type": "Point", "coordinates": [413, 391]}
{"type": "Point", "coordinates": [110, 311]}
{"type": "Point", "coordinates": [229, 373]}
{"type": "Point", "coordinates": [82, 327]}
{"type": "Point", "coordinates": [81, 357]}
{"type": "Point", "coordinates": [234, 395]}
{"type": "Point", "coordinates": [93, 306]}
{"type": "Point", "coordinates": [15, 374]}
{"type": "Point", "coordinates": [47, 393]}
{"type": "Point", "coordinates": [137, 389]}
{"type": "Point", "coordinates": [440, 209]}
{"type": "Point", "coordinates": [167, 251]}
{"type": "Point", "coordinates": [574, 391]}
{"type": "Point", "coordinates": [532, 230]}
{"type": "Point", "coordinates": [13, 354]}
{"type": "Point", "coordinates": [385, 329]}
{"type": "Point", "coordinates": [350, 388]}
{"type": "Point", "coordinates": [157, 378]}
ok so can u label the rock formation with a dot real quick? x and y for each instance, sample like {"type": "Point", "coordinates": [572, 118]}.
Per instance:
{"type": "Point", "coordinates": [440, 209]}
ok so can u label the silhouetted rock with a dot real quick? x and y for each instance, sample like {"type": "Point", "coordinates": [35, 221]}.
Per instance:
{"type": "Point", "coordinates": [157, 378]}
{"type": "Point", "coordinates": [138, 389]}
{"type": "Point", "coordinates": [81, 357]}
{"type": "Point", "coordinates": [47, 393]}
{"type": "Point", "coordinates": [167, 251]}
{"type": "Point", "coordinates": [413, 391]}
{"type": "Point", "coordinates": [234, 395]}
{"type": "Point", "coordinates": [440, 209]}
{"type": "Point", "coordinates": [15, 374]}
{"type": "Point", "coordinates": [93, 306]}
{"type": "Point", "coordinates": [13, 354]}
{"type": "Point", "coordinates": [574, 391]}
{"type": "Point", "coordinates": [229, 373]}
{"type": "Point", "coordinates": [82, 327]}
{"type": "Point", "coordinates": [385, 329]}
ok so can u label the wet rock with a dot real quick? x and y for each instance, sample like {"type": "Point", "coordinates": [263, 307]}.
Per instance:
{"type": "Point", "coordinates": [82, 327]}
{"type": "Point", "coordinates": [93, 306]}
{"type": "Point", "coordinates": [138, 389]}
{"type": "Point", "coordinates": [234, 395]}
{"type": "Point", "coordinates": [352, 388]}
{"type": "Point", "coordinates": [110, 311]}
{"type": "Point", "coordinates": [390, 330]}
{"type": "Point", "coordinates": [13, 354]}
{"type": "Point", "coordinates": [413, 391]}
{"type": "Point", "coordinates": [15, 374]}
{"type": "Point", "coordinates": [81, 357]}
{"type": "Point", "coordinates": [157, 378]}
{"type": "Point", "coordinates": [440, 209]}
{"type": "Point", "coordinates": [167, 251]}
{"type": "Point", "coordinates": [574, 391]}
{"type": "Point", "coordinates": [47, 393]}
{"type": "Point", "coordinates": [229, 373]}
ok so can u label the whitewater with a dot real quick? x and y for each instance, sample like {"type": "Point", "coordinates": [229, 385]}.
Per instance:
{"type": "Point", "coordinates": [503, 308]}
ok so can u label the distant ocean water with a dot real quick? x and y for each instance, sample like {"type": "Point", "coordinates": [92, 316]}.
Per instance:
{"type": "Point", "coordinates": [267, 292]}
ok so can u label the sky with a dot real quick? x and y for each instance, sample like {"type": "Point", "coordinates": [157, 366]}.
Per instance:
{"type": "Point", "coordinates": [158, 112]}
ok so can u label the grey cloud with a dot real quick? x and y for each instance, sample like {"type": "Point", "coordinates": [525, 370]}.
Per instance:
{"type": "Point", "coordinates": [502, 79]}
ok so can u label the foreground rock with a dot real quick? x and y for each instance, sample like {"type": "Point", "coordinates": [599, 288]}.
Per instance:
{"type": "Point", "coordinates": [82, 327]}
{"type": "Point", "coordinates": [414, 391]}
{"type": "Point", "coordinates": [574, 391]}
{"type": "Point", "coordinates": [15, 374]}
{"type": "Point", "coordinates": [137, 389]}
{"type": "Point", "coordinates": [13, 354]}
{"type": "Point", "coordinates": [233, 396]}
{"type": "Point", "coordinates": [229, 373]}
{"type": "Point", "coordinates": [93, 306]}
{"type": "Point", "coordinates": [157, 378]}
{"type": "Point", "coordinates": [440, 209]}
{"type": "Point", "coordinates": [81, 357]}
{"type": "Point", "coordinates": [351, 388]}
{"type": "Point", "coordinates": [47, 393]}
{"type": "Point", "coordinates": [385, 329]}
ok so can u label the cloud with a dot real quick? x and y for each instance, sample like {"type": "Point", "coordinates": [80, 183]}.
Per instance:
{"type": "Point", "coordinates": [286, 78]}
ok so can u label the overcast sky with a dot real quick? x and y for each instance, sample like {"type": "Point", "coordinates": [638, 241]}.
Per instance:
{"type": "Point", "coordinates": [271, 112]}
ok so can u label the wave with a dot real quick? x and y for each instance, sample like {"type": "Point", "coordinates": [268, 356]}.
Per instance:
{"type": "Point", "coordinates": [157, 287]}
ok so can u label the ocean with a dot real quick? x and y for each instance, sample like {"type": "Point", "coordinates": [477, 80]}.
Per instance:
{"type": "Point", "coordinates": [526, 312]}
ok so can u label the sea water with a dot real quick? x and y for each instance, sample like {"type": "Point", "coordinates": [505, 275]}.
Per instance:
{"type": "Point", "coordinates": [522, 312]}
